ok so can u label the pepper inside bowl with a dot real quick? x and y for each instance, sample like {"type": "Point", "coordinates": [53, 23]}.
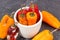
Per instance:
{"type": "Point", "coordinates": [28, 22]}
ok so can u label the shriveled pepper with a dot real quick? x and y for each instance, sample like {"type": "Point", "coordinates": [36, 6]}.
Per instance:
{"type": "Point", "coordinates": [5, 23]}
{"type": "Point", "coordinates": [31, 18]}
{"type": "Point", "coordinates": [44, 35]}
{"type": "Point", "coordinates": [50, 19]}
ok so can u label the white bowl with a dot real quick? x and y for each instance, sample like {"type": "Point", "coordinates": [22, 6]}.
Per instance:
{"type": "Point", "coordinates": [28, 31]}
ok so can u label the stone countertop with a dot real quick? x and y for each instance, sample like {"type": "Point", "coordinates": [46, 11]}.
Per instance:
{"type": "Point", "coordinates": [53, 6]}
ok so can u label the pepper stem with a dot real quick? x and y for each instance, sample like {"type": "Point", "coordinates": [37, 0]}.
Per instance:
{"type": "Point", "coordinates": [32, 14]}
{"type": "Point", "coordinates": [22, 15]}
{"type": "Point", "coordinates": [54, 31]}
{"type": "Point", "coordinates": [12, 14]}
{"type": "Point", "coordinates": [32, 5]}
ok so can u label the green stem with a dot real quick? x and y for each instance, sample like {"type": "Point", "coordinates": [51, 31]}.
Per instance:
{"type": "Point", "coordinates": [32, 14]}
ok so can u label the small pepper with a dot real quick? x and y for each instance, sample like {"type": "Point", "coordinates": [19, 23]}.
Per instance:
{"type": "Point", "coordinates": [5, 23]}
{"type": "Point", "coordinates": [34, 7]}
{"type": "Point", "coordinates": [44, 35]}
{"type": "Point", "coordinates": [7, 20]}
{"type": "Point", "coordinates": [50, 19]}
{"type": "Point", "coordinates": [22, 17]}
{"type": "Point", "coordinates": [12, 33]}
{"type": "Point", "coordinates": [4, 19]}
{"type": "Point", "coordinates": [31, 18]}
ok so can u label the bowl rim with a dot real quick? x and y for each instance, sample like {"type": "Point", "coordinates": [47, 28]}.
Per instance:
{"type": "Point", "coordinates": [26, 25]}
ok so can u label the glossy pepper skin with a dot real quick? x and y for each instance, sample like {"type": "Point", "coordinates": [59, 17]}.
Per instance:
{"type": "Point", "coordinates": [7, 20]}
{"type": "Point", "coordinates": [34, 7]}
{"type": "Point", "coordinates": [12, 33]}
{"type": "Point", "coordinates": [22, 11]}
{"type": "Point", "coordinates": [37, 11]}
{"type": "Point", "coordinates": [22, 16]}
{"type": "Point", "coordinates": [5, 23]}
{"type": "Point", "coordinates": [50, 19]}
{"type": "Point", "coordinates": [31, 18]}
{"type": "Point", "coordinates": [44, 35]}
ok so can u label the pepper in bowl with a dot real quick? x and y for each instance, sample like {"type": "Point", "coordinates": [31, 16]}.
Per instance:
{"type": "Point", "coordinates": [27, 22]}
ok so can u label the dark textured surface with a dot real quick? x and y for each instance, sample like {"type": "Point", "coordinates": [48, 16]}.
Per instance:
{"type": "Point", "coordinates": [53, 6]}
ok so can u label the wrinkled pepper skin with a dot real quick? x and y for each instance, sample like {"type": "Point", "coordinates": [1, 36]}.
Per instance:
{"type": "Point", "coordinates": [44, 35]}
{"type": "Point", "coordinates": [31, 18]}
{"type": "Point", "coordinates": [50, 19]}
{"type": "Point", "coordinates": [5, 23]}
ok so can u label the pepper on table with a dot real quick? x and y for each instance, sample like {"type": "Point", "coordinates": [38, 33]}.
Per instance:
{"type": "Point", "coordinates": [13, 32]}
{"type": "Point", "coordinates": [5, 23]}
{"type": "Point", "coordinates": [44, 35]}
{"type": "Point", "coordinates": [50, 19]}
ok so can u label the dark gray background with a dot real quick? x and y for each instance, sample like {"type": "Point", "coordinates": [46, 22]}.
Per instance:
{"type": "Point", "coordinates": [53, 6]}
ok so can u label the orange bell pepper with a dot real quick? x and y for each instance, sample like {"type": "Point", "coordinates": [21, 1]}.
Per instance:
{"type": "Point", "coordinates": [44, 35]}
{"type": "Point", "coordinates": [5, 23]}
{"type": "Point", "coordinates": [31, 18]}
{"type": "Point", "coordinates": [50, 19]}
{"type": "Point", "coordinates": [22, 19]}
